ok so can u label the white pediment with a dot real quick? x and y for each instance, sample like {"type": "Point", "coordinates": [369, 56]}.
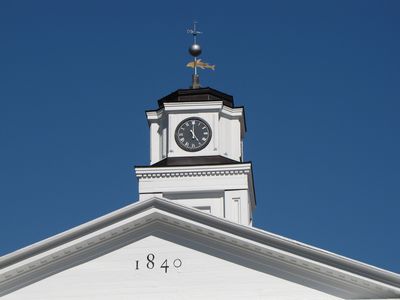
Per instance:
{"type": "Point", "coordinates": [207, 257]}
{"type": "Point", "coordinates": [198, 274]}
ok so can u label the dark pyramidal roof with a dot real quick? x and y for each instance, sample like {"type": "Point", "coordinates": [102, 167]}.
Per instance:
{"type": "Point", "coordinates": [194, 161]}
{"type": "Point", "coordinates": [196, 95]}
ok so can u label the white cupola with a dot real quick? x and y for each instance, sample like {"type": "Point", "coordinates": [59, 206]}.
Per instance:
{"type": "Point", "coordinates": [196, 155]}
{"type": "Point", "coordinates": [213, 108]}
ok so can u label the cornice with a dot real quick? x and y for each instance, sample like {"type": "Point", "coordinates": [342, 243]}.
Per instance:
{"type": "Point", "coordinates": [153, 115]}
{"type": "Point", "coordinates": [193, 171]}
{"type": "Point", "coordinates": [195, 106]}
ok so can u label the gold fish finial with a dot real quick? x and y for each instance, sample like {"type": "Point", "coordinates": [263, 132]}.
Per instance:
{"type": "Point", "coordinates": [200, 64]}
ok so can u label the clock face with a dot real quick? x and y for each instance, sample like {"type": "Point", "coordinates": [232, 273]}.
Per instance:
{"type": "Point", "coordinates": [193, 134]}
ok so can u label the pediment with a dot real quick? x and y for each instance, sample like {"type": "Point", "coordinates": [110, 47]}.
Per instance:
{"type": "Point", "coordinates": [226, 250]}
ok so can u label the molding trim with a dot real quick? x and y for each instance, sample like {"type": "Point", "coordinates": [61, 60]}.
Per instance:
{"type": "Point", "coordinates": [192, 171]}
{"type": "Point", "coordinates": [339, 271]}
{"type": "Point", "coordinates": [216, 106]}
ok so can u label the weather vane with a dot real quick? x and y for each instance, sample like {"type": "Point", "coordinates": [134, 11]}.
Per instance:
{"type": "Point", "coordinates": [195, 51]}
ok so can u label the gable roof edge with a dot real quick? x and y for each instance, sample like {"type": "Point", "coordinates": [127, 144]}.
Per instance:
{"type": "Point", "coordinates": [247, 232]}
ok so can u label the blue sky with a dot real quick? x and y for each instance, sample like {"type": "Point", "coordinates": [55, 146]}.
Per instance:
{"type": "Point", "coordinates": [319, 81]}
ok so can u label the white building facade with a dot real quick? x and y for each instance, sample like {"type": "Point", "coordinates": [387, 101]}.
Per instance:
{"type": "Point", "coordinates": [190, 233]}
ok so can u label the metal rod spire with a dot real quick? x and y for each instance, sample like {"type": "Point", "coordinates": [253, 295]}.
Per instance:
{"type": "Point", "coordinates": [195, 50]}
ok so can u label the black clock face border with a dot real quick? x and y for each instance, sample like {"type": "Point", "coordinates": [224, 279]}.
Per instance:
{"type": "Point", "coordinates": [193, 134]}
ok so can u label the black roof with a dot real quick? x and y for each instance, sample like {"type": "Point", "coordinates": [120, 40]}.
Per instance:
{"type": "Point", "coordinates": [195, 95]}
{"type": "Point", "coordinates": [194, 161]}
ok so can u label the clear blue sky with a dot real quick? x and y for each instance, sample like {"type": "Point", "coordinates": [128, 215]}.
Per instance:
{"type": "Point", "coordinates": [319, 81]}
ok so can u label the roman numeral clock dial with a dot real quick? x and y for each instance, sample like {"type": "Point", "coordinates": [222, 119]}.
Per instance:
{"type": "Point", "coordinates": [193, 134]}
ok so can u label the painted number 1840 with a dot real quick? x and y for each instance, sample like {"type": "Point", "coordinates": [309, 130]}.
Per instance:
{"type": "Point", "coordinates": [150, 263]}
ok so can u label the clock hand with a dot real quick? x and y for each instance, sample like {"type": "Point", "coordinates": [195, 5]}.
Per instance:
{"type": "Point", "coordinates": [194, 136]}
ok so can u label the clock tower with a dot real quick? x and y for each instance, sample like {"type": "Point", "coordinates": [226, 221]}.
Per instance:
{"type": "Point", "coordinates": [196, 154]}
{"type": "Point", "coordinates": [196, 151]}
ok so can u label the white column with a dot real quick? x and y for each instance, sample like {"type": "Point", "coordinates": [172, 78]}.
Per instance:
{"type": "Point", "coordinates": [154, 143]}
{"type": "Point", "coordinates": [237, 206]}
